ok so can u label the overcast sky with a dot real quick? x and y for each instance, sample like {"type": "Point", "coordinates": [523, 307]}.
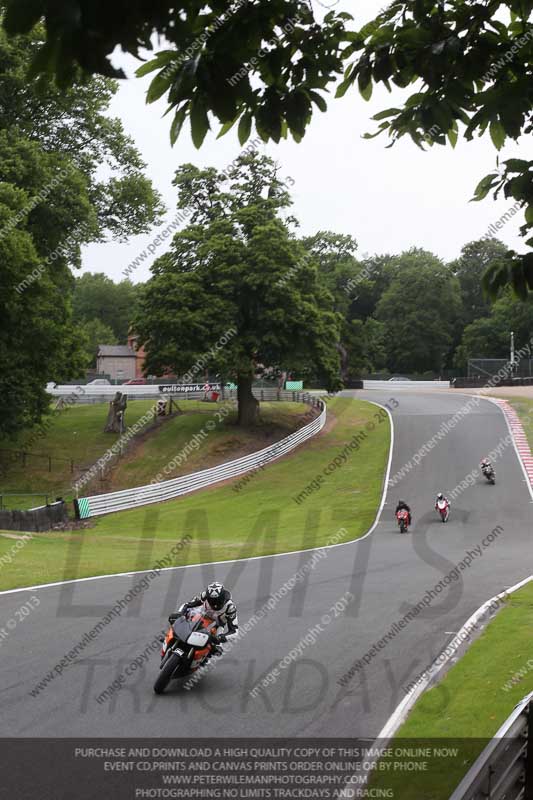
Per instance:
{"type": "Point", "coordinates": [388, 199]}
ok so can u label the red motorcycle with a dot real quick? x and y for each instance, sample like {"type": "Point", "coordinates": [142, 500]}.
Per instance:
{"type": "Point", "coordinates": [443, 507]}
{"type": "Point", "coordinates": [403, 520]}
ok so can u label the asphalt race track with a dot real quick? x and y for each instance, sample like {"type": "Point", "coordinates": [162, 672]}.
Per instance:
{"type": "Point", "coordinates": [385, 572]}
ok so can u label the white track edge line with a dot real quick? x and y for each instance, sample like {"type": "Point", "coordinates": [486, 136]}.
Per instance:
{"type": "Point", "coordinates": [400, 714]}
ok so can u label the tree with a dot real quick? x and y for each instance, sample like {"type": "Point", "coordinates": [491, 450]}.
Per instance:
{"type": "Point", "coordinates": [236, 288]}
{"type": "Point", "coordinates": [75, 123]}
{"type": "Point", "coordinates": [476, 257]}
{"type": "Point", "coordinates": [419, 333]}
{"type": "Point", "coordinates": [474, 65]}
{"type": "Point", "coordinates": [38, 342]}
{"type": "Point", "coordinates": [489, 336]}
{"type": "Point", "coordinates": [334, 254]}
{"type": "Point", "coordinates": [360, 346]}
{"type": "Point", "coordinates": [52, 202]}
{"type": "Point", "coordinates": [215, 55]}
{"type": "Point", "coordinates": [93, 334]}
{"type": "Point", "coordinates": [269, 62]}
{"type": "Point", "coordinates": [97, 297]}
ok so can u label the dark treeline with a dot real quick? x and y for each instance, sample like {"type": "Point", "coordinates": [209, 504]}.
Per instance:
{"type": "Point", "coordinates": [410, 313]}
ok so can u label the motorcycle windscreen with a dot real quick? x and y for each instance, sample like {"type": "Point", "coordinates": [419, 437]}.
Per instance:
{"type": "Point", "coordinates": [182, 628]}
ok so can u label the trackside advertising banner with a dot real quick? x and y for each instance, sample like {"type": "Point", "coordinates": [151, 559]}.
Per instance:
{"type": "Point", "coordinates": [182, 388]}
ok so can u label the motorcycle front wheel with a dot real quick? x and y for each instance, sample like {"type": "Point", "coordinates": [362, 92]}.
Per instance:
{"type": "Point", "coordinates": [166, 673]}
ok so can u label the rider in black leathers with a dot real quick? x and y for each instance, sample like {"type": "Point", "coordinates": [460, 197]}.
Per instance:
{"type": "Point", "coordinates": [403, 504]}
{"type": "Point", "coordinates": [218, 604]}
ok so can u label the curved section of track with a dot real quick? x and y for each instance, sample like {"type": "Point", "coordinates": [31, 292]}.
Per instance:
{"type": "Point", "coordinates": [385, 572]}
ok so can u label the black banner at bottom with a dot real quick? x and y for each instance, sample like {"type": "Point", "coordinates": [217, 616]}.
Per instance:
{"type": "Point", "coordinates": [234, 769]}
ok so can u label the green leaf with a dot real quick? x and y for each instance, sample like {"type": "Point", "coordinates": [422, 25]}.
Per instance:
{"type": "Point", "coordinates": [497, 134]}
{"type": "Point", "coordinates": [365, 86]}
{"type": "Point", "coordinates": [318, 100]}
{"type": "Point", "coordinates": [452, 136]}
{"type": "Point", "coordinates": [518, 281]}
{"type": "Point", "coordinates": [245, 126]}
{"type": "Point", "coordinates": [388, 112]}
{"type": "Point", "coordinates": [517, 164]}
{"type": "Point", "coordinates": [484, 186]}
{"type": "Point", "coordinates": [527, 263]}
{"type": "Point", "coordinates": [227, 127]}
{"type": "Point", "coordinates": [343, 87]}
{"type": "Point", "coordinates": [372, 135]}
{"type": "Point", "coordinates": [199, 121]}
{"type": "Point", "coordinates": [177, 124]}
{"type": "Point", "coordinates": [495, 278]}
{"type": "Point", "coordinates": [145, 69]}
{"type": "Point", "coordinates": [162, 59]}
{"type": "Point", "coordinates": [415, 99]}
{"type": "Point", "coordinates": [158, 87]}
{"type": "Point", "coordinates": [529, 215]}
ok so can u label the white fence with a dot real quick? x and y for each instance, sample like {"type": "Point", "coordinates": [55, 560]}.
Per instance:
{"type": "Point", "coordinates": [157, 492]}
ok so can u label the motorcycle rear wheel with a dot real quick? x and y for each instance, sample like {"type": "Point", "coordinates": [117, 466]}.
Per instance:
{"type": "Point", "coordinates": [166, 673]}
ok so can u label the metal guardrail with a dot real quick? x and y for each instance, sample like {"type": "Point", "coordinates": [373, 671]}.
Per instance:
{"type": "Point", "coordinates": [504, 770]}
{"type": "Point", "coordinates": [392, 385]}
{"type": "Point", "coordinates": [96, 505]}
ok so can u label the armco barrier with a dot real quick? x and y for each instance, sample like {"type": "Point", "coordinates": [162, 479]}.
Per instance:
{"type": "Point", "coordinates": [504, 770]}
{"type": "Point", "coordinates": [412, 385]}
{"type": "Point", "coordinates": [157, 492]}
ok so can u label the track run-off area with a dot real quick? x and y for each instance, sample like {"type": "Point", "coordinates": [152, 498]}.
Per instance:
{"type": "Point", "coordinates": [354, 649]}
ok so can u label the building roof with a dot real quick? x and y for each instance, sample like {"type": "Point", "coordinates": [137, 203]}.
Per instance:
{"type": "Point", "coordinates": [115, 350]}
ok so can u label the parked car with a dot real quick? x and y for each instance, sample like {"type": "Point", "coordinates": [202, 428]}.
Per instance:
{"type": "Point", "coordinates": [136, 382]}
{"type": "Point", "coordinates": [99, 382]}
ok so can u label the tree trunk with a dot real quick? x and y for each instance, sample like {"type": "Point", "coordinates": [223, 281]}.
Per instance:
{"type": "Point", "coordinates": [344, 359]}
{"type": "Point", "coordinates": [248, 406]}
{"type": "Point", "coordinates": [115, 416]}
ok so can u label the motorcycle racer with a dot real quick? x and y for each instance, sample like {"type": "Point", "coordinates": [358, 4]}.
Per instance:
{"type": "Point", "coordinates": [217, 603]}
{"type": "Point", "coordinates": [439, 499]}
{"type": "Point", "coordinates": [486, 466]}
{"type": "Point", "coordinates": [403, 505]}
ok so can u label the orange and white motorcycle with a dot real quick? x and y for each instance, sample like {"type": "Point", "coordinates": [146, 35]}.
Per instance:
{"type": "Point", "coordinates": [190, 641]}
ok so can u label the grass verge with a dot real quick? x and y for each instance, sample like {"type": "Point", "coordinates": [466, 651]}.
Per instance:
{"type": "Point", "coordinates": [168, 444]}
{"type": "Point", "coordinates": [76, 434]}
{"type": "Point", "coordinates": [471, 702]}
{"type": "Point", "coordinates": [261, 518]}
